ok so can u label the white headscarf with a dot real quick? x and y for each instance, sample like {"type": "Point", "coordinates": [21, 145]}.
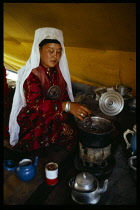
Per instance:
{"type": "Point", "coordinates": [33, 62]}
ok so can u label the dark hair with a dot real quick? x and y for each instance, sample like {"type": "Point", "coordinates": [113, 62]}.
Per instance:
{"type": "Point", "coordinates": [46, 41]}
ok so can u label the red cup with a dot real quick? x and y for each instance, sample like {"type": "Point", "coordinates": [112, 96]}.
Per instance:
{"type": "Point", "coordinates": [51, 172]}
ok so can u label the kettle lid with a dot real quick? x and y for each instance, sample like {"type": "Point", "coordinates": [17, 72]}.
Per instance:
{"type": "Point", "coordinates": [85, 181]}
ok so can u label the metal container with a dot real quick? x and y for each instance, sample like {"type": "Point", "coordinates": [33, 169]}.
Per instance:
{"type": "Point", "coordinates": [51, 172]}
{"type": "Point", "coordinates": [86, 189]}
{"type": "Point", "coordinates": [123, 90]}
{"type": "Point", "coordinates": [96, 125]}
{"type": "Point", "coordinates": [99, 134]}
{"type": "Point", "coordinates": [111, 103]}
{"type": "Point", "coordinates": [85, 182]}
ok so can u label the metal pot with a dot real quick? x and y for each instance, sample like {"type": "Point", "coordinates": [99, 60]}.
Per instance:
{"type": "Point", "coordinates": [123, 90]}
{"type": "Point", "coordinates": [86, 189]}
{"type": "Point", "coordinates": [96, 125]}
{"type": "Point", "coordinates": [99, 134]}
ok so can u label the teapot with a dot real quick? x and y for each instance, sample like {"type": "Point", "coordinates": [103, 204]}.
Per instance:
{"type": "Point", "coordinates": [123, 90]}
{"type": "Point", "coordinates": [25, 171]}
{"type": "Point", "coordinates": [133, 142]}
{"type": "Point", "coordinates": [86, 189]}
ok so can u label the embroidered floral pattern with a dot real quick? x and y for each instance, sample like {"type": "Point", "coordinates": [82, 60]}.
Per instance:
{"type": "Point", "coordinates": [41, 120]}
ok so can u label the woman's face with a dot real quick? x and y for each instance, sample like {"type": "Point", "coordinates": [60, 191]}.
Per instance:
{"type": "Point", "coordinates": [50, 54]}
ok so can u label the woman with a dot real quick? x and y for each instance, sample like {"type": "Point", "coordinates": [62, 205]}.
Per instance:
{"type": "Point", "coordinates": [43, 102]}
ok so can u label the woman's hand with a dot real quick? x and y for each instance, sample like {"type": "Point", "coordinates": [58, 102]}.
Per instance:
{"type": "Point", "coordinates": [67, 130]}
{"type": "Point", "coordinates": [79, 111]}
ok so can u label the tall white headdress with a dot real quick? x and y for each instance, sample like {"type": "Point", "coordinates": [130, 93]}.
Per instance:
{"type": "Point", "coordinates": [33, 62]}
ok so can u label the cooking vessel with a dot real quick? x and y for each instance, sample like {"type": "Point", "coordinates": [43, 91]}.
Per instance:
{"type": "Point", "coordinates": [96, 132]}
{"type": "Point", "coordinates": [123, 90]}
{"type": "Point", "coordinates": [86, 189]}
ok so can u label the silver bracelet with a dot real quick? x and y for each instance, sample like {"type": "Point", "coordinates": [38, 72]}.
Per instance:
{"type": "Point", "coordinates": [67, 107]}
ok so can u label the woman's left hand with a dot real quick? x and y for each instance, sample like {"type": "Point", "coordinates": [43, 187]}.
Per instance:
{"type": "Point", "coordinates": [67, 130]}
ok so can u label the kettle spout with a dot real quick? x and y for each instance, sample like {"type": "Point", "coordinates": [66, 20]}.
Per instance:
{"type": "Point", "coordinates": [104, 188]}
{"type": "Point", "coordinates": [36, 161]}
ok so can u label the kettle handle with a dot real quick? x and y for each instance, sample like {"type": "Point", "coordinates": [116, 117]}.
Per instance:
{"type": "Point", "coordinates": [130, 162]}
{"type": "Point", "coordinates": [125, 134]}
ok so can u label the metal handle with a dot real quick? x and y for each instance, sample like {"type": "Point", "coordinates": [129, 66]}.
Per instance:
{"type": "Point", "coordinates": [130, 162]}
{"type": "Point", "coordinates": [124, 135]}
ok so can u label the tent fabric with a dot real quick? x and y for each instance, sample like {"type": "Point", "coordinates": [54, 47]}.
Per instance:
{"type": "Point", "coordinates": [100, 38]}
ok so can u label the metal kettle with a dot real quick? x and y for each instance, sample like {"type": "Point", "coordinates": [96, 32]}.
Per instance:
{"type": "Point", "coordinates": [123, 90]}
{"type": "Point", "coordinates": [86, 189]}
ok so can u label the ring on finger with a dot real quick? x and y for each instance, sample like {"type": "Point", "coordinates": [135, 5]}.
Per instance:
{"type": "Point", "coordinates": [82, 115]}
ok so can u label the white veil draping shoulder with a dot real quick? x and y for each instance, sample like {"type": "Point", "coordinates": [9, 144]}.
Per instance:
{"type": "Point", "coordinates": [33, 62]}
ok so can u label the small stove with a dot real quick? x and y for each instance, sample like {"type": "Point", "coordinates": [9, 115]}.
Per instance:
{"type": "Point", "coordinates": [95, 148]}
{"type": "Point", "coordinates": [92, 156]}
{"type": "Point", "coordinates": [97, 141]}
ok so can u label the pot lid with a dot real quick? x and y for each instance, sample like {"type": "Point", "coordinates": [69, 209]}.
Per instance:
{"type": "Point", "coordinates": [85, 181]}
{"type": "Point", "coordinates": [111, 103]}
